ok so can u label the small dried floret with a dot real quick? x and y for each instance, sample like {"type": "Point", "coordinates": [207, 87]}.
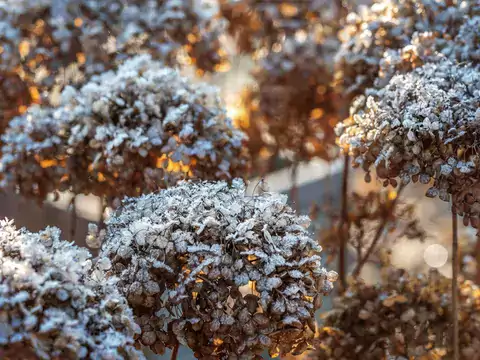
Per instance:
{"type": "Point", "coordinates": [406, 316]}
{"type": "Point", "coordinates": [223, 273]}
{"type": "Point", "coordinates": [423, 125]}
{"type": "Point", "coordinates": [50, 308]}
{"type": "Point", "coordinates": [390, 25]}
{"type": "Point", "coordinates": [123, 133]}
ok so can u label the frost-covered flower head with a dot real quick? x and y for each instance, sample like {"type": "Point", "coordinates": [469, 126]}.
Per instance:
{"type": "Point", "coordinates": [49, 306]}
{"type": "Point", "coordinates": [52, 43]}
{"type": "Point", "coordinates": [404, 317]}
{"type": "Point", "coordinates": [222, 272]}
{"type": "Point", "coordinates": [423, 125]}
{"type": "Point", "coordinates": [390, 24]}
{"type": "Point", "coordinates": [123, 133]}
{"type": "Point", "coordinates": [466, 47]}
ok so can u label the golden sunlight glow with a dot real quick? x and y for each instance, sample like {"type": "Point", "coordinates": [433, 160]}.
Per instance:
{"type": "Point", "coordinates": [217, 341]}
{"type": "Point", "coordinates": [288, 10]}
{"type": "Point", "coordinates": [34, 93]}
{"type": "Point", "coordinates": [78, 22]}
{"type": "Point", "coordinates": [392, 195]}
{"type": "Point", "coordinates": [237, 111]}
{"type": "Point", "coordinates": [167, 164]}
{"type": "Point", "coordinates": [24, 48]}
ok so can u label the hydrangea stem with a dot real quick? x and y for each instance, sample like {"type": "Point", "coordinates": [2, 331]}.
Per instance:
{"type": "Point", "coordinates": [344, 224]}
{"type": "Point", "coordinates": [294, 187]}
{"type": "Point", "coordinates": [73, 218]}
{"type": "Point", "coordinates": [477, 252]}
{"type": "Point", "coordinates": [456, 349]}
{"type": "Point", "coordinates": [174, 354]}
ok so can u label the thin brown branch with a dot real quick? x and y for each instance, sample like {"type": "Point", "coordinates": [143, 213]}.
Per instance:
{"type": "Point", "coordinates": [294, 188]}
{"type": "Point", "coordinates": [344, 225]}
{"type": "Point", "coordinates": [103, 207]}
{"type": "Point", "coordinates": [378, 234]}
{"type": "Point", "coordinates": [174, 354]}
{"type": "Point", "coordinates": [456, 348]}
{"type": "Point", "coordinates": [477, 255]}
{"type": "Point", "coordinates": [73, 218]}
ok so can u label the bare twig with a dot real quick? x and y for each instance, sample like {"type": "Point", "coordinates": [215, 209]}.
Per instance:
{"type": "Point", "coordinates": [477, 255]}
{"type": "Point", "coordinates": [456, 348]}
{"type": "Point", "coordinates": [103, 207]}
{"type": "Point", "coordinates": [344, 224]}
{"type": "Point", "coordinates": [294, 188]}
{"type": "Point", "coordinates": [73, 218]}
{"type": "Point", "coordinates": [174, 354]}
{"type": "Point", "coordinates": [378, 234]}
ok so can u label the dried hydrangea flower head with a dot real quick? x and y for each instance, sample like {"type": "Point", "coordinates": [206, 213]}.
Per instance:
{"type": "Point", "coordinates": [257, 24]}
{"type": "Point", "coordinates": [163, 27]}
{"type": "Point", "coordinates": [390, 24]}
{"type": "Point", "coordinates": [123, 133]}
{"type": "Point", "coordinates": [49, 306]}
{"type": "Point", "coordinates": [221, 272]}
{"type": "Point", "coordinates": [467, 43]}
{"type": "Point", "coordinates": [296, 101]}
{"type": "Point", "coordinates": [404, 317]}
{"type": "Point", "coordinates": [51, 43]}
{"type": "Point", "coordinates": [423, 125]}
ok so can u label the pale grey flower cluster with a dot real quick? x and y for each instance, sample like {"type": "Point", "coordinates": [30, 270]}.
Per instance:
{"type": "Point", "coordinates": [423, 125]}
{"type": "Point", "coordinates": [125, 132]}
{"type": "Point", "coordinates": [102, 30]}
{"type": "Point", "coordinates": [390, 25]}
{"type": "Point", "coordinates": [222, 272]}
{"type": "Point", "coordinates": [50, 308]}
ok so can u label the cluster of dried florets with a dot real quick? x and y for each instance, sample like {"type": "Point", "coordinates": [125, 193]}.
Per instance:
{"type": "Point", "coordinates": [423, 125]}
{"type": "Point", "coordinates": [389, 26]}
{"type": "Point", "coordinates": [292, 105]}
{"type": "Point", "coordinates": [221, 272]}
{"type": "Point", "coordinates": [405, 317]}
{"type": "Point", "coordinates": [49, 306]}
{"type": "Point", "coordinates": [123, 133]}
{"type": "Point", "coordinates": [370, 217]}
{"type": "Point", "coordinates": [296, 102]}
{"type": "Point", "coordinates": [52, 43]}
{"type": "Point", "coordinates": [257, 24]}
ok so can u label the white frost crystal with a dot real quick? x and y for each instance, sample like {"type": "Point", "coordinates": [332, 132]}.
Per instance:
{"type": "Point", "coordinates": [123, 133]}
{"type": "Point", "coordinates": [222, 272]}
{"type": "Point", "coordinates": [422, 126]}
{"type": "Point", "coordinates": [51, 309]}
